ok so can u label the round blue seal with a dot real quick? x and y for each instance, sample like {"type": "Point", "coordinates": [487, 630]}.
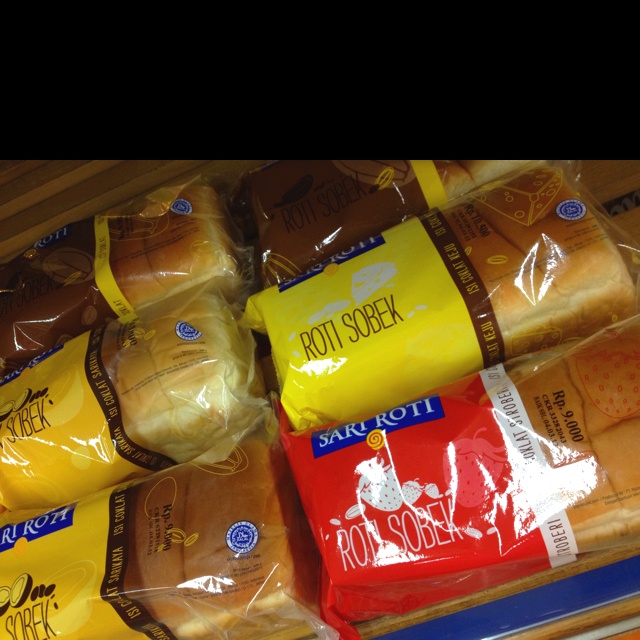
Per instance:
{"type": "Point", "coordinates": [571, 209]}
{"type": "Point", "coordinates": [187, 332]}
{"type": "Point", "coordinates": [242, 536]}
{"type": "Point", "coordinates": [181, 206]}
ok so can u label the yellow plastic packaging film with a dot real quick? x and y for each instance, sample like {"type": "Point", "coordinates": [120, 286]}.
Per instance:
{"type": "Point", "coordinates": [143, 559]}
{"type": "Point", "coordinates": [47, 588]}
{"type": "Point", "coordinates": [104, 276]}
{"type": "Point", "coordinates": [430, 183]}
{"type": "Point", "coordinates": [60, 422]}
{"type": "Point", "coordinates": [369, 310]}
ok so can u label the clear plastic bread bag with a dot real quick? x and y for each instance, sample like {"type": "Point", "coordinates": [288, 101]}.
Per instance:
{"type": "Point", "coordinates": [117, 263]}
{"type": "Point", "coordinates": [215, 549]}
{"type": "Point", "coordinates": [516, 469]}
{"type": "Point", "coordinates": [127, 399]}
{"type": "Point", "coordinates": [304, 211]}
{"type": "Point", "coordinates": [526, 262]}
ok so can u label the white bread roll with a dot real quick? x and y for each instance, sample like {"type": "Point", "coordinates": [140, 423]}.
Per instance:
{"type": "Point", "coordinates": [160, 248]}
{"type": "Point", "coordinates": [549, 278]}
{"type": "Point", "coordinates": [179, 396]}
{"type": "Point", "coordinates": [594, 392]}
{"type": "Point", "coordinates": [461, 176]}
{"type": "Point", "coordinates": [199, 584]}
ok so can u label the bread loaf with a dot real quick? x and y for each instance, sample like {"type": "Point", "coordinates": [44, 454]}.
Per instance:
{"type": "Point", "coordinates": [495, 476]}
{"type": "Point", "coordinates": [521, 265]}
{"type": "Point", "coordinates": [203, 550]}
{"type": "Point", "coordinates": [115, 264]}
{"type": "Point", "coordinates": [305, 211]}
{"type": "Point", "coordinates": [128, 399]}
{"type": "Point", "coordinates": [585, 408]}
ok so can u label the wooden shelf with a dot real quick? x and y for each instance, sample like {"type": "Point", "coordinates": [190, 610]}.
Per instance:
{"type": "Point", "coordinates": [40, 196]}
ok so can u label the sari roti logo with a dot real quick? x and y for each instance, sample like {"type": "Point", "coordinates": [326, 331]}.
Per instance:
{"type": "Point", "coordinates": [407, 415]}
{"type": "Point", "coordinates": [30, 530]}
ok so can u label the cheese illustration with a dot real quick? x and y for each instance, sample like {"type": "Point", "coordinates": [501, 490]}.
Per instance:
{"type": "Point", "coordinates": [522, 199]}
{"type": "Point", "coordinates": [369, 279]}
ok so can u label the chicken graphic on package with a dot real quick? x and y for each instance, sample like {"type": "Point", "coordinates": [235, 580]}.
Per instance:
{"type": "Point", "coordinates": [471, 469]}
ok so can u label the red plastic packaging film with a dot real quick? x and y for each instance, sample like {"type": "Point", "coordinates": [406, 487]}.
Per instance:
{"type": "Point", "coordinates": [503, 473]}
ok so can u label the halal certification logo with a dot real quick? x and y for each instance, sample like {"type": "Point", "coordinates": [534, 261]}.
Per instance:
{"type": "Point", "coordinates": [187, 332]}
{"type": "Point", "coordinates": [242, 537]}
{"type": "Point", "coordinates": [571, 209]}
{"type": "Point", "coordinates": [181, 206]}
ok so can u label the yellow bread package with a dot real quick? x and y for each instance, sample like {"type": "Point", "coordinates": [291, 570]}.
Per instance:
{"type": "Point", "coordinates": [115, 264]}
{"type": "Point", "coordinates": [127, 399]}
{"type": "Point", "coordinates": [516, 266]}
{"type": "Point", "coordinates": [209, 549]}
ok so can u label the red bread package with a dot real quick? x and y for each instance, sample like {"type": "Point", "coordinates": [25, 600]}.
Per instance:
{"type": "Point", "coordinates": [501, 474]}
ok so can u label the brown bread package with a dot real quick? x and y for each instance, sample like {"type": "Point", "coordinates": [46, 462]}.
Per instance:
{"type": "Point", "coordinates": [308, 210]}
{"type": "Point", "coordinates": [518, 265]}
{"type": "Point", "coordinates": [127, 399]}
{"type": "Point", "coordinates": [115, 264]}
{"type": "Point", "coordinates": [211, 549]}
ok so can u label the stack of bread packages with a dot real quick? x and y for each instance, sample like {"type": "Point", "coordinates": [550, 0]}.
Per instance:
{"type": "Point", "coordinates": [142, 491]}
{"type": "Point", "coordinates": [458, 392]}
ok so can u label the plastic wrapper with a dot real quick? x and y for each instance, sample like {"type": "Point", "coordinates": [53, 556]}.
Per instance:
{"type": "Point", "coordinates": [500, 474]}
{"type": "Point", "coordinates": [305, 211]}
{"type": "Point", "coordinates": [213, 549]}
{"type": "Point", "coordinates": [519, 265]}
{"type": "Point", "coordinates": [117, 263]}
{"type": "Point", "coordinates": [127, 399]}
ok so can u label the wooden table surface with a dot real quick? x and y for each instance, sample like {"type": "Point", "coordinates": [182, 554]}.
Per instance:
{"type": "Point", "coordinates": [39, 196]}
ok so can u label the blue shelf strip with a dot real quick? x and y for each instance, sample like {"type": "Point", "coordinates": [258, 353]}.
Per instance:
{"type": "Point", "coordinates": [541, 605]}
